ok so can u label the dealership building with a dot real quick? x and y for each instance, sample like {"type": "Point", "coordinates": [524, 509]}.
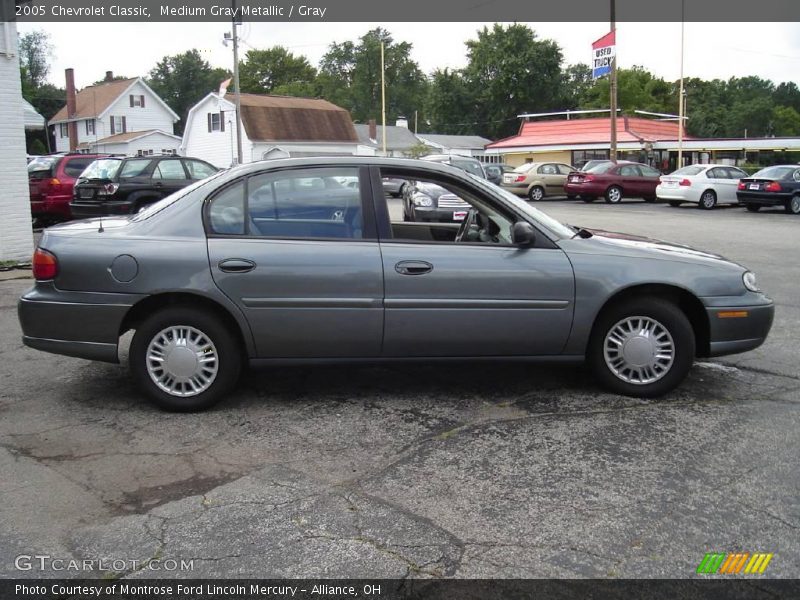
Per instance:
{"type": "Point", "coordinates": [577, 140]}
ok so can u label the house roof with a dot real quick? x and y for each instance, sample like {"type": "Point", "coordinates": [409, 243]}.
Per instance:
{"type": "Point", "coordinates": [455, 141]}
{"type": "Point", "coordinates": [589, 131]}
{"type": "Point", "coordinates": [32, 119]}
{"type": "Point", "coordinates": [397, 138]}
{"type": "Point", "coordinates": [286, 118]}
{"type": "Point", "coordinates": [124, 138]}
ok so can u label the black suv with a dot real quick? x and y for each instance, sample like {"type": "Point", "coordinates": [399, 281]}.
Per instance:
{"type": "Point", "coordinates": [120, 186]}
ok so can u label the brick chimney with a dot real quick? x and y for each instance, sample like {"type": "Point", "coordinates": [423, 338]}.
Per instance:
{"type": "Point", "coordinates": [373, 130]}
{"type": "Point", "coordinates": [109, 76]}
{"type": "Point", "coordinates": [72, 108]}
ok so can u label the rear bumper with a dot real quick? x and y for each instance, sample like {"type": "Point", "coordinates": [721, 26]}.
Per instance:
{"type": "Point", "coordinates": [519, 190]}
{"type": "Point", "coordinates": [57, 206]}
{"type": "Point", "coordinates": [684, 194]}
{"type": "Point", "coordinates": [584, 189]}
{"type": "Point", "coordinates": [735, 329]}
{"type": "Point", "coordinates": [73, 323]}
{"type": "Point", "coordinates": [763, 199]}
{"type": "Point", "coordinates": [85, 210]}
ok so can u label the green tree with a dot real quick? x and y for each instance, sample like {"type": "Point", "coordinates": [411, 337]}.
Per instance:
{"type": "Point", "coordinates": [637, 89]}
{"type": "Point", "coordinates": [577, 83]}
{"type": "Point", "coordinates": [35, 51]}
{"type": "Point", "coordinates": [787, 94]}
{"type": "Point", "coordinates": [786, 121]}
{"type": "Point", "coordinates": [350, 76]}
{"type": "Point", "coordinates": [182, 80]}
{"type": "Point", "coordinates": [264, 71]}
{"type": "Point", "coordinates": [509, 72]}
{"type": "Point", "coordinates": [449, 104]}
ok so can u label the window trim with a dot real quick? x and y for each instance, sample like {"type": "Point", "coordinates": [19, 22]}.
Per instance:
{"type": "Point", "coordinates": [369, 230]}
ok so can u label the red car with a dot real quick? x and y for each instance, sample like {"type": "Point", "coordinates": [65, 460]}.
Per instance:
{"type": "Point", "coordinates": [614, 182]}
{"type": "Point", "coordinates": [50, 181]}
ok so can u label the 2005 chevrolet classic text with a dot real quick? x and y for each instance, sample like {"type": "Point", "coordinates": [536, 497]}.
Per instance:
{"type": "Point", "coordinates": [279, 262]}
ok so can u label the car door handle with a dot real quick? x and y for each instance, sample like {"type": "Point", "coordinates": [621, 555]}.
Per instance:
{"type": "Point", "coordinates": [413, 267]}
{"type": "Point", "coordinates": [236, 265]}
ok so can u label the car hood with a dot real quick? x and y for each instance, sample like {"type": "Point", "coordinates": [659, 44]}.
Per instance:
{"type": "Point", "coordinates": [624, 244]}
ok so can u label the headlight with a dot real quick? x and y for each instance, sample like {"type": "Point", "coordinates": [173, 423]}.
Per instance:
{"type": "Point", "coordinates": [749, 279]}
{"type": "Point", "coordinates": [422, 200]}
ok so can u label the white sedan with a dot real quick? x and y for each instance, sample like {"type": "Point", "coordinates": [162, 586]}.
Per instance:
{"type": "Point", "coordinates": [704, 185]}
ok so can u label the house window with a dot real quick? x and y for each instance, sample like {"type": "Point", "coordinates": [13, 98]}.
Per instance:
{"type": "Point", "coordinates": [89, 126]}
{"type": "Point", "coordinates": [137, 101]}
{"type": "Point", "coordinates": [216, 121]}
{"type": "Point", "coordinates": [118, 125]}
{"type": "Point", "coordinates": [64, 127]}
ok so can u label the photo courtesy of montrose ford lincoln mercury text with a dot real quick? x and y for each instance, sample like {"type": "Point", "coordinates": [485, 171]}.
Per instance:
{"type": "Point", "coordinates": [298, 260]}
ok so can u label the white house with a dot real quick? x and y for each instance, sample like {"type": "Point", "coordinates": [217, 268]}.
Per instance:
{"type": "Point", "coordinates": [460, 145]}
{"type": "Point", "coordinates": [16, 237]}
{"type": "Point", "coordinates": [99, 117]}
{"type": "Point", "coordinates": [272, 127]}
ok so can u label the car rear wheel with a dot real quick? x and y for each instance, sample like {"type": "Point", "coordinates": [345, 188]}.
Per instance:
{"type": "Point", "coordinates": [708, 200]}
{"type": "Point", "coordinates": [571, 196]}
{"type": "Point", "coordinates": [753, 207]}
{"type": "Point", "coordinates": [184, 359]}
{"type": "Point", "coordinates": [614, 194]}
{"type": "Point", "coordinates": [793, 206]}
{"type": "Point", "coordinates": [536, 193]}
{"type": "Point", "coordinates": [643, 347]}
{"type": "Point", "coordinates": [675, 203]}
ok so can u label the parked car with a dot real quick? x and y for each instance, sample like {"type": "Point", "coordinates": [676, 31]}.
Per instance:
{"type": "Point", "coordinates": [614, 181]}
{"type": "Point", "coordinates": [495, 172]}
{"type": "Point", "coordinates": [704, 185]}
{"type": "Point", "coordinates": [120, 186]}
{"type": "Point", "coordinates": [465, 163]}
{"type": "Point", "coordinates": [425, 201]}
{"type": "Point", "coordinates": [536, 180]}
{"type": "Point", "coordinates": [773, 186]}
{"type": "Point", "coordinates": [51, 180]}
{"type": "Point", "coordinates": [264, 264]}
{"type": "Point", "coordinates": [593, 163]}
{"type": "Point", "coordinates": [394, 187]}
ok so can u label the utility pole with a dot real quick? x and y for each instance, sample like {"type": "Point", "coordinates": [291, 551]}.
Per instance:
{"type": "Point", "coordinates": [613, 87]}
{"type": "Point", "coordinates": [681, 102]}
{"type": "Point", "coordinates": [383, 97]}
{"type": "Point", "coordinates": [236, 85]}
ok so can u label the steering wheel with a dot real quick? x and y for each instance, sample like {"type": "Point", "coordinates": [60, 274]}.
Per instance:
{"type": "Point", "coordinates": [466, 225]}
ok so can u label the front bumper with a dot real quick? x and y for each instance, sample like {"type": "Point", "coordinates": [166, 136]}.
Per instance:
{"type": "Point", "coordinates": [737, 328]}
{"type": "Point", "coordinates": [75, 324]}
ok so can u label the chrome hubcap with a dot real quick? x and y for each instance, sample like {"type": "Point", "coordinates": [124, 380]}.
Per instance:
{"type": "Point", "coordinates": [708, 200]}
{"type": "Point", "coordinates": [614, 195]}
{"type": "Point", "coordinates": [639, 350]}
{"type": "Point", "coordinates": [182, 361]}
{"type": "Point", "coordinates": [536, 194]}
{"type": "Point", "coordinates": [795, 205]}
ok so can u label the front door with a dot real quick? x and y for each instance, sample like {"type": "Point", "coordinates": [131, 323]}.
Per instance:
{"type": "Point", "coordinates": [292, 250]}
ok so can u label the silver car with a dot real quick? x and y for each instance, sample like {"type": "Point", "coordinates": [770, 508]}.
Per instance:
{"type": "Point", "coordinates": [278, 262]}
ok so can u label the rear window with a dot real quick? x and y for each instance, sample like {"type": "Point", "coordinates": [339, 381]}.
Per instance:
{"type": "Point", "coordinates": [104, 168]}
{"type": "Point", "coordinates": [690, 170]}
{"type": "Point", "coordinates": [774, 172]}
{"type": "Point", "coordinates": [601, 168]}
{"type": "Point", "coordinates": [41, 168]}
{"type": "Point", "coordinates": [469, 167]}
{"type": "Point", "coordinates": [75, 166]}
{"type": "Point", "coordinates": [524, 168]}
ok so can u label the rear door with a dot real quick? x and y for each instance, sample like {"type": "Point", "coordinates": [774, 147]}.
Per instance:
{"type": "Point", "coordinates": [732, 183]}
{"type": "Point", "coordinates": [552, 179]}
{"type": "Point", "coordinates": [297, 251]}
{"type": "Point", "coordinates": [631, 181]}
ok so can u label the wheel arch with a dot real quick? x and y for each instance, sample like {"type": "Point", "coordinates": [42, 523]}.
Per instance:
{"type": "Point", "coordinates": [685, 300]}
{"type": "Point", "coordinates": [147, 306]}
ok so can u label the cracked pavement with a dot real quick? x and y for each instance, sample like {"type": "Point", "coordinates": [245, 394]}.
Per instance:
{"type": "Point", "coordinates": [463, 471]}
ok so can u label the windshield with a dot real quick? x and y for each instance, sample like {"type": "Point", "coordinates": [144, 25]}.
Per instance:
{"type": "Point", "coordinates": [152, 209]}
{"type": "Point", "coordinates": [523, 168]}
{"type": "Point", "coordinates": [104, 168]}
{"type": "Point", "coordinates": [543, 219]}
{"type": "Point", "coordinates": [603, 167]}
{"type": "Point", "coordinates": [774, 172]}
{"type": "Point", "coordinates": [690, 170]}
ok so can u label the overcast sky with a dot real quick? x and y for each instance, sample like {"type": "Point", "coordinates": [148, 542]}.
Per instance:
{"type": "Point", "coordinates": [712, 50]}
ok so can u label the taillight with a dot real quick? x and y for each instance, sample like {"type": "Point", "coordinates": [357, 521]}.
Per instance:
{"type": "Point", "coordinates": [108, 189]}
{"type": "Point", "coordinates": [519, 178]}
{"type": "Point", "coordinates": [588, 177]}
{"type": "Point", "coordinates": [45, 265]}
{"type": "Point", "coordinates": [773, 186]}
{"type": "Point", "coordinates": [741, 185]}
{"type": "Point", "coordinates": [684, 182]}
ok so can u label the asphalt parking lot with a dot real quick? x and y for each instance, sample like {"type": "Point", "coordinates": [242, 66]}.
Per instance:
{"type": "Point", "coordinates": [422, 471]}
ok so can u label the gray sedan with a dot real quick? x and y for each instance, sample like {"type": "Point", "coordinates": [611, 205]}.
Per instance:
{"type": "Point", "coordinates": [279, 262]}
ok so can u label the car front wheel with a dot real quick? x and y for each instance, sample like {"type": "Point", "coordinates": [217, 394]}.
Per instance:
{"type": "Point", "coordinates": [614, 194]}
{"type": "Point", "coordinates": [185, 359]}
{"type": "Point", "coordinates": [643, 347]}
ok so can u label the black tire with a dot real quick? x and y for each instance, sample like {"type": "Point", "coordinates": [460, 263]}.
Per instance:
{"type": "Point", "coordinates": [536, 193]}
{"type": "Point", "coordinates": [793, 206]}
{"type": "Point", "coordinates": [753, 207]}
{"type": "Point", "coordinates": [667, 315]}
{"type": "Point", "coordinates": [708, 200]}
{"type": "Point", "coordinates": [650, 199]}
{"type": "Point", "coordinates": [675, 203]}
{"type": "Point", "coordinates": [229, 357]}
{"type": "Point", "coordinates": [588, 199]}
{"type": "Point", "coordinates": [614, 194]}
{"type": "Point", "coordinates": [571, 196]}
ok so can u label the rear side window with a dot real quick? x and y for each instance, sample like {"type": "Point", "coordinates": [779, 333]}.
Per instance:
{"type": "Point", "coordinates": [629, 171]}
{"type": "Point", "coordinates": [75, 166]}
{"type": "Point", "coordinates": [198, 170]}
{"type": "Point", "coordinates": [565, 169]}
{"type": "Point", "coordinates": [134, 168]}
{"type": "Point", "coordinates": [303, 203]}
{"type": "Point", "coordinates": [41, 168]}
{"type": "Point", "coordinates": [169, 169]}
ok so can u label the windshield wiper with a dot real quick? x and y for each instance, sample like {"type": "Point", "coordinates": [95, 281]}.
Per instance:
{"type": "Point", "coordinates": [580, 231]}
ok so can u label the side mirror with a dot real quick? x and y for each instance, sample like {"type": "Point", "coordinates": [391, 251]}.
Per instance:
{"type": "Point", "coordinates": [523, 234]}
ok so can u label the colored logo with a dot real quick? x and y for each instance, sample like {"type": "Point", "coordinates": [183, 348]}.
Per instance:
{"type": "Point", "coordinates": [734, 563]}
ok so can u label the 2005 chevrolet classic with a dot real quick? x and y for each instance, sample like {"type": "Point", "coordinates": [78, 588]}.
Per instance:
{"type": "Point", "coordinates": [280, 261]}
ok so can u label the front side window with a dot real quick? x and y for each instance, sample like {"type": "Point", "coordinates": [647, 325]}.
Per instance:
{"type": "Point", "coordinates": [302, 203]}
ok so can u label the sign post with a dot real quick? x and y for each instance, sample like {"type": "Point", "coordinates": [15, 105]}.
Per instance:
{"type": "Point", "coordinates": [604, 62]}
